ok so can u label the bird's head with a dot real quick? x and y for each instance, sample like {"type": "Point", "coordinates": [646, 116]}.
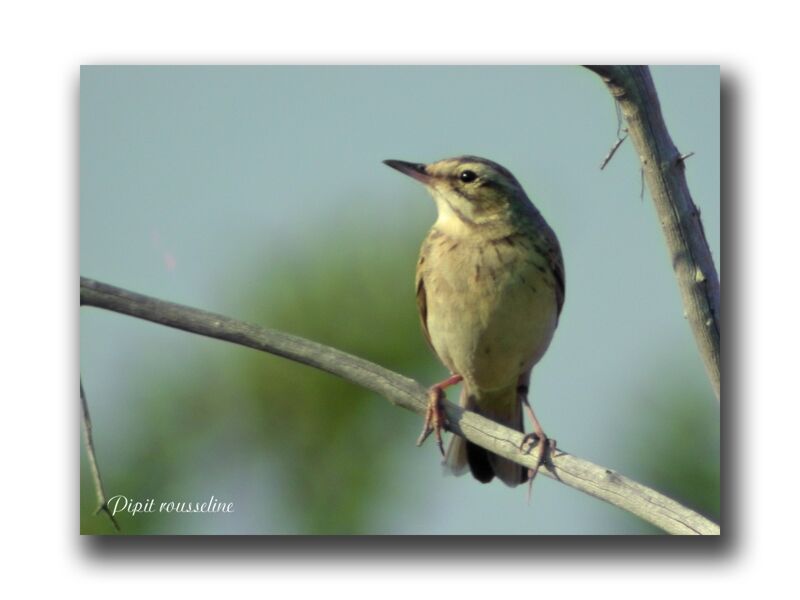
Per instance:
{"type": "Point", "coordinates": [469, 191]}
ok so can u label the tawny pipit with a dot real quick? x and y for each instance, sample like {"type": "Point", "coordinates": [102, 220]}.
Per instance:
{"type": "Point", "coordinates": [490, 287]}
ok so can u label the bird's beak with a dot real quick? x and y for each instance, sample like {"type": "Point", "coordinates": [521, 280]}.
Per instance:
{"type": "Point", "coordinates": [415, 170]}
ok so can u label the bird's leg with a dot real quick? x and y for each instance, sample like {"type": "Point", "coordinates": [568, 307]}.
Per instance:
{"type": "Point", "coordinates": [435, 416]}
{"type": "Point", "coordinates": [537, 439]}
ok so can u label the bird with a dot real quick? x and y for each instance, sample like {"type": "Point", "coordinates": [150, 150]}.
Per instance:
{"type": "Point", "coordinates": [490, 288]}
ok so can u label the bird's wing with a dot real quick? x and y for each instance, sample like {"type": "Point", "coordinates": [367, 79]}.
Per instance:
{"type": "Point", "coordinates": [557, 262]}
{"type": "Point", "coordinates": [422, 301]}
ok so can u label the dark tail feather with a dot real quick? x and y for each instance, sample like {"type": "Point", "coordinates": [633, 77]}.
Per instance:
{"type": "Point", "coordinates": [479, 464]}
{"type": "Point", "coordinates": [503, 407]}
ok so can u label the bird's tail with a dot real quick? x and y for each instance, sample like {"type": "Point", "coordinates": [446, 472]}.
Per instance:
{"type": "Point", "coordinates": [504, 407]}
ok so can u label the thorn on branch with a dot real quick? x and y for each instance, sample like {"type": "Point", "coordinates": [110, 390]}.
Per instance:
{"type": "Point", "coordinates": [620, 138]}
{"type": "Point", "coordinates": [613, 151]}
{"type": "Point", "coordinates": [104, 508]}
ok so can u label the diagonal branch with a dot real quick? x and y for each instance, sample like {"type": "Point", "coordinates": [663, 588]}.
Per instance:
{"type": "Point", "coordinates": [575, 472]}
{"type": "Point", "coordinates": [663, 167]}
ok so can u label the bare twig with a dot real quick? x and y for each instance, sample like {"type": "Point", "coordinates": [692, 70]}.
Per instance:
{"type": "Point", "coordinates": [580, 474]}
{"type": "Point", "coordinates": [102, 499]}
{"type": "Point", "coordinates": [664, 170]}
{"type": "Point", "coordinates": [620, 138]}
{"type": "Point", "coordinates": [613, 151]}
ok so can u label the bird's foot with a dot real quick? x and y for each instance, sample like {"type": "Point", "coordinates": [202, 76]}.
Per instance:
{"type": "Point", "coordinates": [435, 416]}
{"type": "Point", "coordinates": [541, 444]}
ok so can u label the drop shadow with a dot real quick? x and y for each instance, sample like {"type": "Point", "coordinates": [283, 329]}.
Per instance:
{"type": "Point", "coordinates": [502, 550]}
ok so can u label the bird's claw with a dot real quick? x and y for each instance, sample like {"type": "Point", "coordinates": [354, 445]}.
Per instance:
{"type": "Point", "coordinates": [435, 418]}
{"type": "Point", "coordinates": [544, 445]}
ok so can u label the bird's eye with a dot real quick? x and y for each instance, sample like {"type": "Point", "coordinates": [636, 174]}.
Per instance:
{"type": "Point", "coordinates": [468, 176]}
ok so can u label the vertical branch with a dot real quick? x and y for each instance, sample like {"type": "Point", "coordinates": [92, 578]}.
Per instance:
{"type": "Point", "coordinates": [98, 481]}
{"type": "Point", "coordinates": [664, 171]}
